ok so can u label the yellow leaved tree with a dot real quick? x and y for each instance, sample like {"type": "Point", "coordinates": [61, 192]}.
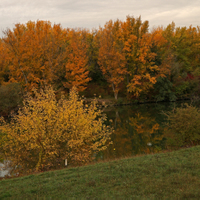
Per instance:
{"type": "Point", "coordinates": [45, 132]}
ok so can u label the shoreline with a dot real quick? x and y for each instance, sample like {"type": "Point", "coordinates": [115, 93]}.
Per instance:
{"type": "Point", "coordinates": [113, 103]}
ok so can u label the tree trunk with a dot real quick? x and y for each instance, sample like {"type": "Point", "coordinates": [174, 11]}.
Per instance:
{"type": "Point", "coordinates": [115, 92]}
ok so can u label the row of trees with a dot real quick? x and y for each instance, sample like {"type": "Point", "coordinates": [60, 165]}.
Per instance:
{"type": "Point", "coordinates": [159, 64]}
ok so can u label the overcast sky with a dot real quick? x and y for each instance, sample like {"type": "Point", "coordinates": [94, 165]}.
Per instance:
{"type": "Point", "coordinates": [95, 13]}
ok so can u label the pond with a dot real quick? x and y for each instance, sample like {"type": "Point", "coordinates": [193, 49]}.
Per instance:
{"type": "Point", "coordinates": [138, 129]}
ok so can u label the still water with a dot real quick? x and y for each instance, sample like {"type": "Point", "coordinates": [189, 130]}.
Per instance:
{"type": "Point", "coordinates": [138, 129]}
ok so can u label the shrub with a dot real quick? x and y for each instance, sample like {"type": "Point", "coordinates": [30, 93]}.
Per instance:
{"type": "Point", "coordinates": [45, 132]}
{"type": "Point", "coordinates": [184, 126]}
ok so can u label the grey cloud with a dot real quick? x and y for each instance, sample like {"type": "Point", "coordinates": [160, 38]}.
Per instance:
{"type": "Point", "coordinates": [92, 13]}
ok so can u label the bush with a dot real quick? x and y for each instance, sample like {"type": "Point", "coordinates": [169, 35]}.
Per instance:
{"type": "Point", "coordinates": [183, 128]}
{"type": "Point", "coordinates": [46, 132]}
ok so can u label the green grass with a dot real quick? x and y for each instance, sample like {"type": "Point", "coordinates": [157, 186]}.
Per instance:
{"type": "Point", "coordinates": [170, 175]}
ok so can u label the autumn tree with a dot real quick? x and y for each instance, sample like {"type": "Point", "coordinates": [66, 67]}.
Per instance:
{"type": "Point", "coordinates": [45, 132]}
{"type": "Point", "coordinates": [111, 57]}
{"type": "Point", "coordinates": [76, 60]}
{"type": "Point", "coordinates": [4, 72]}
{"type": "Point", "coordinates": [163, 88]}
{"type": "Point", "coordinates": [121, 54]}
{"type": "Point", "coordinates": [139, 57]}
{"type": "Point", "coordinates": [35, 53]}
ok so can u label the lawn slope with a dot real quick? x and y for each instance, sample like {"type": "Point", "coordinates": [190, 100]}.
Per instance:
{"type": "Point", "coordinates": [171, 175]}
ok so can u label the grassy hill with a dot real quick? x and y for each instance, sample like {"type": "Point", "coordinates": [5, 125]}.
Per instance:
{"type": "Point", "coordinates": [170, 175]}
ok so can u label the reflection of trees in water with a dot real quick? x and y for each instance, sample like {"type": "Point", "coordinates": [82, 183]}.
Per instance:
{"type": "Point", "coordinates": [145, 133]}
{"type": "Point", "coordinates": [136, 134]}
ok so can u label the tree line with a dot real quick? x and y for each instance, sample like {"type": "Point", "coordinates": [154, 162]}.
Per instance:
{"type": "Point", "coordinates": [133, 61]}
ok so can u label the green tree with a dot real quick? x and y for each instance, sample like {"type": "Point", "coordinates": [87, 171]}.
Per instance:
{"type": "Point", "coordinates": [181, 52]}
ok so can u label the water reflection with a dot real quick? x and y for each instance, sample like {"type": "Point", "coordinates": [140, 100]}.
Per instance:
{"type": "Point", "coordinates": [138, 130]}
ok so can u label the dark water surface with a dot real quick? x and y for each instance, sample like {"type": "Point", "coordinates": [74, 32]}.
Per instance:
{"type": "Point", "coordinates": [138, 129]}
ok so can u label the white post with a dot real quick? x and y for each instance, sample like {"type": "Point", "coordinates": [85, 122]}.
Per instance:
{"type": "Point", "coordinates": [65, 162]}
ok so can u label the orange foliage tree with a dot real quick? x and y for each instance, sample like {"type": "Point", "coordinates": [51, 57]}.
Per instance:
{"type": "Point", "coordinates": [39, 53]}
{"type": "Point", "coordinates": [3, 62]}
{"type": "Point", "coordinates": [35, 52]}
{"type": "Point", "coordinates": [159, 46]}
{"type": "Point", "coordinates": [111, 57]}
{"type": "Point", "coordinates": [140, 59]}
{"type": "Point", "coordinates": [76, 60]}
